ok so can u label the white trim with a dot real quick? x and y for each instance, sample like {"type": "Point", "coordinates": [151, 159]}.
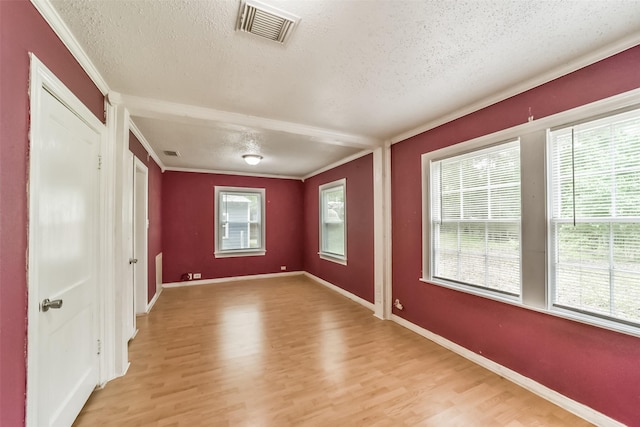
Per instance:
{"type": "Point", "coordinates": [363, 302]}
{"type": "Point", "coordinates": [190, 114]}
{"type": "Point", "coordinates": [221, 253]}
{"type": "Point", "coordinates": [229, 279]}
{"type": "Point", "coordinates": [221, 172]}
{"type": "Point", "coordinates": [42, 79]}
{"type": "Point", "coordinates": [340, 259]}
{"type": "Point", "coordinates": [50, 14]}
{"type": "Point", "coordinates": [154, 299]}
{"type": "Point", "coordinates": [535, 387]}
{"type": "Point", "coordinates": [388, 227]}
{"type": "Point", "coordinates": [138, 133]}
{"type": "Point", "coordinates": [616, 102]}
{"type": "Point", "coordinates": [378, 231]}
{"type": "Point", "coordinates": [594, 109]}
{"type": "Point", "coordinates": [141, 290]}
{"type": "Point", "coordinates": [589, 59]}
{"type": "Point", "coordinates": [338, 163]}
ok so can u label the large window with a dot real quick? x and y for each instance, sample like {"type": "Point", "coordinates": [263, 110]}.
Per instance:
{"type": "Point", "coordinates": [475, 218]}
{"type": "Point", "coordinates": [594, 195]}
{"type": "Point", "coordinates": [333, 221]}
{"type": "Point", "coordinates": [239, 219]}
{"type": "Point", "coordinates": [549, 220]}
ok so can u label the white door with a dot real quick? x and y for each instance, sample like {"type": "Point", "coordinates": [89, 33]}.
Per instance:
{"type": "Point", "coordinates": [64, 239]}
{"type": "Point", "coordinates": [128, 309]}
{"type": "Point", "coordinates": [140, 226]}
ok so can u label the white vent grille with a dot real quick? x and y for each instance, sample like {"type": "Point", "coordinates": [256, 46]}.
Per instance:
{"type": "Point", "coordinates": [171, 153]}
{"type": "Point", "coordinates": [266, 21]}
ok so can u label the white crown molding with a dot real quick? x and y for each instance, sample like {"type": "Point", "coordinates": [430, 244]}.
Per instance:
{"type": "Point", "coordinates": [591, 58]}
{"type": "Point", "coordinates": [190, 114]}
{"type": "Point", "coordinates": [48, 12]}
{"type": "Point", "coordinates": [535, 387]}
{"type": "Point", "coordinates": [138, 133]}
{"type": "Point", "coordinates": [338, 163]}
{"type": "Point", "coordinates": [220, 172]}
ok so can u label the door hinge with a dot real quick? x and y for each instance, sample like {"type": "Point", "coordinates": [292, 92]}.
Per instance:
{"type": "Point", "coordinates": [99, 346]}
{"type": "Point", "coordinates": [99, 161]}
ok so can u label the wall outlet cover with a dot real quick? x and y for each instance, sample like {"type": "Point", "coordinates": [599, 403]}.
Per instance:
{"type": "Point", "coordinates": [197, 275]}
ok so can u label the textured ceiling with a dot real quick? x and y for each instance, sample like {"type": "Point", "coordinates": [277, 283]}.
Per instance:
{"type": "Point", "coordinates": [374, 68]}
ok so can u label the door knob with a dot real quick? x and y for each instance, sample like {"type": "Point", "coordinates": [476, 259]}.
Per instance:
{"type": "Point", "coordinates": [47, 304]}
{"type": "Point", "coordinates": [133, 260]}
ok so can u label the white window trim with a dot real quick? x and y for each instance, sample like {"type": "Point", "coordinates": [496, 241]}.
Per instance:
{"type": "Point", "coordinates": [328, 256]}
{"type": "Point", "coordinates": [427, 242]}
{"type": "Point", "coordinates": [535, 293]}
{"type": "Point", "coordinates": [218, 233]}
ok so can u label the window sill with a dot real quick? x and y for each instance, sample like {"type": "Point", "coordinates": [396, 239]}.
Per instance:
{"type": "Point", "coordinates": [333, 258]}
{"type": "Point", "coordinates": [553, 311]}
{"type": "Point", "coordinates": [233, 254]}
{"type": "Point", "coordinates": [498, 296]}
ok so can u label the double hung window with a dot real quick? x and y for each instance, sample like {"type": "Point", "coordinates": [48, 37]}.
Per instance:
{"type": "Point", "coordinates": [594, 197]}
{"type": "Point", "coordinates": [549, 220]}
{"type": "Point", "coordinates": [239, 219]}
{"type": "Point", "coordinates": [333, 221]}
{"type": "Point", "coordinates": [475, 219]}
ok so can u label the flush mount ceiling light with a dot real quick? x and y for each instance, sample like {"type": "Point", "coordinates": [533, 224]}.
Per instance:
{"type": "Point", "coordinates": [252, 159]}
{"type": "Point", "coordinates": [265, 21]}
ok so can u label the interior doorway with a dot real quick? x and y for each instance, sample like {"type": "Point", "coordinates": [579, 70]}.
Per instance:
{"type": "Point", "coordinates": [140, 235]}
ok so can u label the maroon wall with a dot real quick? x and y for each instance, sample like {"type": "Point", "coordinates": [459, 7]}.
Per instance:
{"type": "Point", "coordinates": [23, 30]}
{"type": "Point", "coordinates": [154, 237]}
{"type": "Point", "coordinates": [588, 364]}
{"type": "Point", "coordinates": [357, 276]}
{"type": "Point", "coordinates": [188, 228]}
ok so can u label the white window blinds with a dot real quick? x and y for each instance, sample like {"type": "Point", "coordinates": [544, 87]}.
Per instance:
{"type": "Point", "coordinates": [595, 217]}
{"type": "Point", "coordinates": [475, 218]}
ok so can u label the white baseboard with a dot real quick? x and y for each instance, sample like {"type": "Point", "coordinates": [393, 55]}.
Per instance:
{"type": "Point", "coordinates": [341, 291]}
{"type": "Point", "coordinates": [154, 299]}
{"type": "Point", "coordinates": [545, 392]}
{"type": "Point", "coordinates": [229, 279]}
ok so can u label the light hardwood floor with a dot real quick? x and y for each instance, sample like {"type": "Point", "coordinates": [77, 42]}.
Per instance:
{"type": "Point", "coordinates": [289, 352]}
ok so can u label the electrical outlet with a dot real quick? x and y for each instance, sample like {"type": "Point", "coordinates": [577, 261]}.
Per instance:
{"type": "Point", "coordinates": [197, 275]}
{"type": "Point", "coordinates": [190, 276]}
{"type": "Point", "coordinates": [283, 268]}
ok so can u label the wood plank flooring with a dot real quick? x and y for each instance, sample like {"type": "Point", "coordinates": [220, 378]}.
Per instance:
{"type": "Point", "coordinates": [289, 352]}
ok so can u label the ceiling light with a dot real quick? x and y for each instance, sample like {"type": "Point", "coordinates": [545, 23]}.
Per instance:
{"type": "Point", "coordinates": [252, 159]}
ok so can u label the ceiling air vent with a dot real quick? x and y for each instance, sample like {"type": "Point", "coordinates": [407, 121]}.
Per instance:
{"type": "Point", "coordinates": [171, 153]}
{"type": "Point", "coordinates": [265, 21]}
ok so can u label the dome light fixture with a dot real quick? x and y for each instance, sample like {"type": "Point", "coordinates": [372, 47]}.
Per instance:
{"type": "Point", "coordinates": [252, 159]}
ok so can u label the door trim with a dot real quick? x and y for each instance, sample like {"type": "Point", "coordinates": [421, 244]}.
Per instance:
{"type": "Point", "coordinates": [141, 290]}
{"type": "Point", "coordinates": [41, 80]}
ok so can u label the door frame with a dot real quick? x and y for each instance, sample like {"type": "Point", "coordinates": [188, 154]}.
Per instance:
{"type": "Point", "coordinates": [42, 79]}
{"type": "Point", "coordinates": [141, 281]}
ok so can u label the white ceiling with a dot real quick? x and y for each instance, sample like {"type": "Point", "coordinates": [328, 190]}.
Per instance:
{"type": "Point", "coordinates": [354, 73]}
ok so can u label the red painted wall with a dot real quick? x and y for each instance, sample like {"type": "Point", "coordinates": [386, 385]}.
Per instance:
{"type": "Point", "coordinates": [357, 276]}
{"type": "Point", "coordinates": [23, 30]}
{"type": "Point", "coordinates": [188, 228]}
{"type": "Point", "coordinates": [596, 367]}
{"type": "Point", "coordinates": [154, 237]}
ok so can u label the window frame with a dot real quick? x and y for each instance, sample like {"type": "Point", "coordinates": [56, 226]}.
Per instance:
{"type": "Point", "coordinates": [330, 256]}
{"type": "Point", "coordinates": [536, 290]}
{"type": "Point", "coordinates": [620, 325]}
{"type": "Point", "coordinates": [492, 147]}
{"type": "Point", "coordinates": [222, 233]}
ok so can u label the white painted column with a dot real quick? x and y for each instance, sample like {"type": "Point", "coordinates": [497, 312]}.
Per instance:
{"type": "Point", "coordinates": [382, 230]}
{"type": "Point", "coordinates": [116, 350]}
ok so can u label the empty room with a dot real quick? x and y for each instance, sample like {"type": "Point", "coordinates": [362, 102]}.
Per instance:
{"type": "Point", "coordinates": [319, 213]}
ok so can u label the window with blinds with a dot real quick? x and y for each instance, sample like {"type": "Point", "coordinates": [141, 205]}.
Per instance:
{"type": "Point", "coordinates": [475, 219]}
{"type": "Point", "coordinates": [333, 219]}
{"type": "Point", "coordinates": [594, 196]}
{"type": "Point", "coordinates": [239, 221]}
